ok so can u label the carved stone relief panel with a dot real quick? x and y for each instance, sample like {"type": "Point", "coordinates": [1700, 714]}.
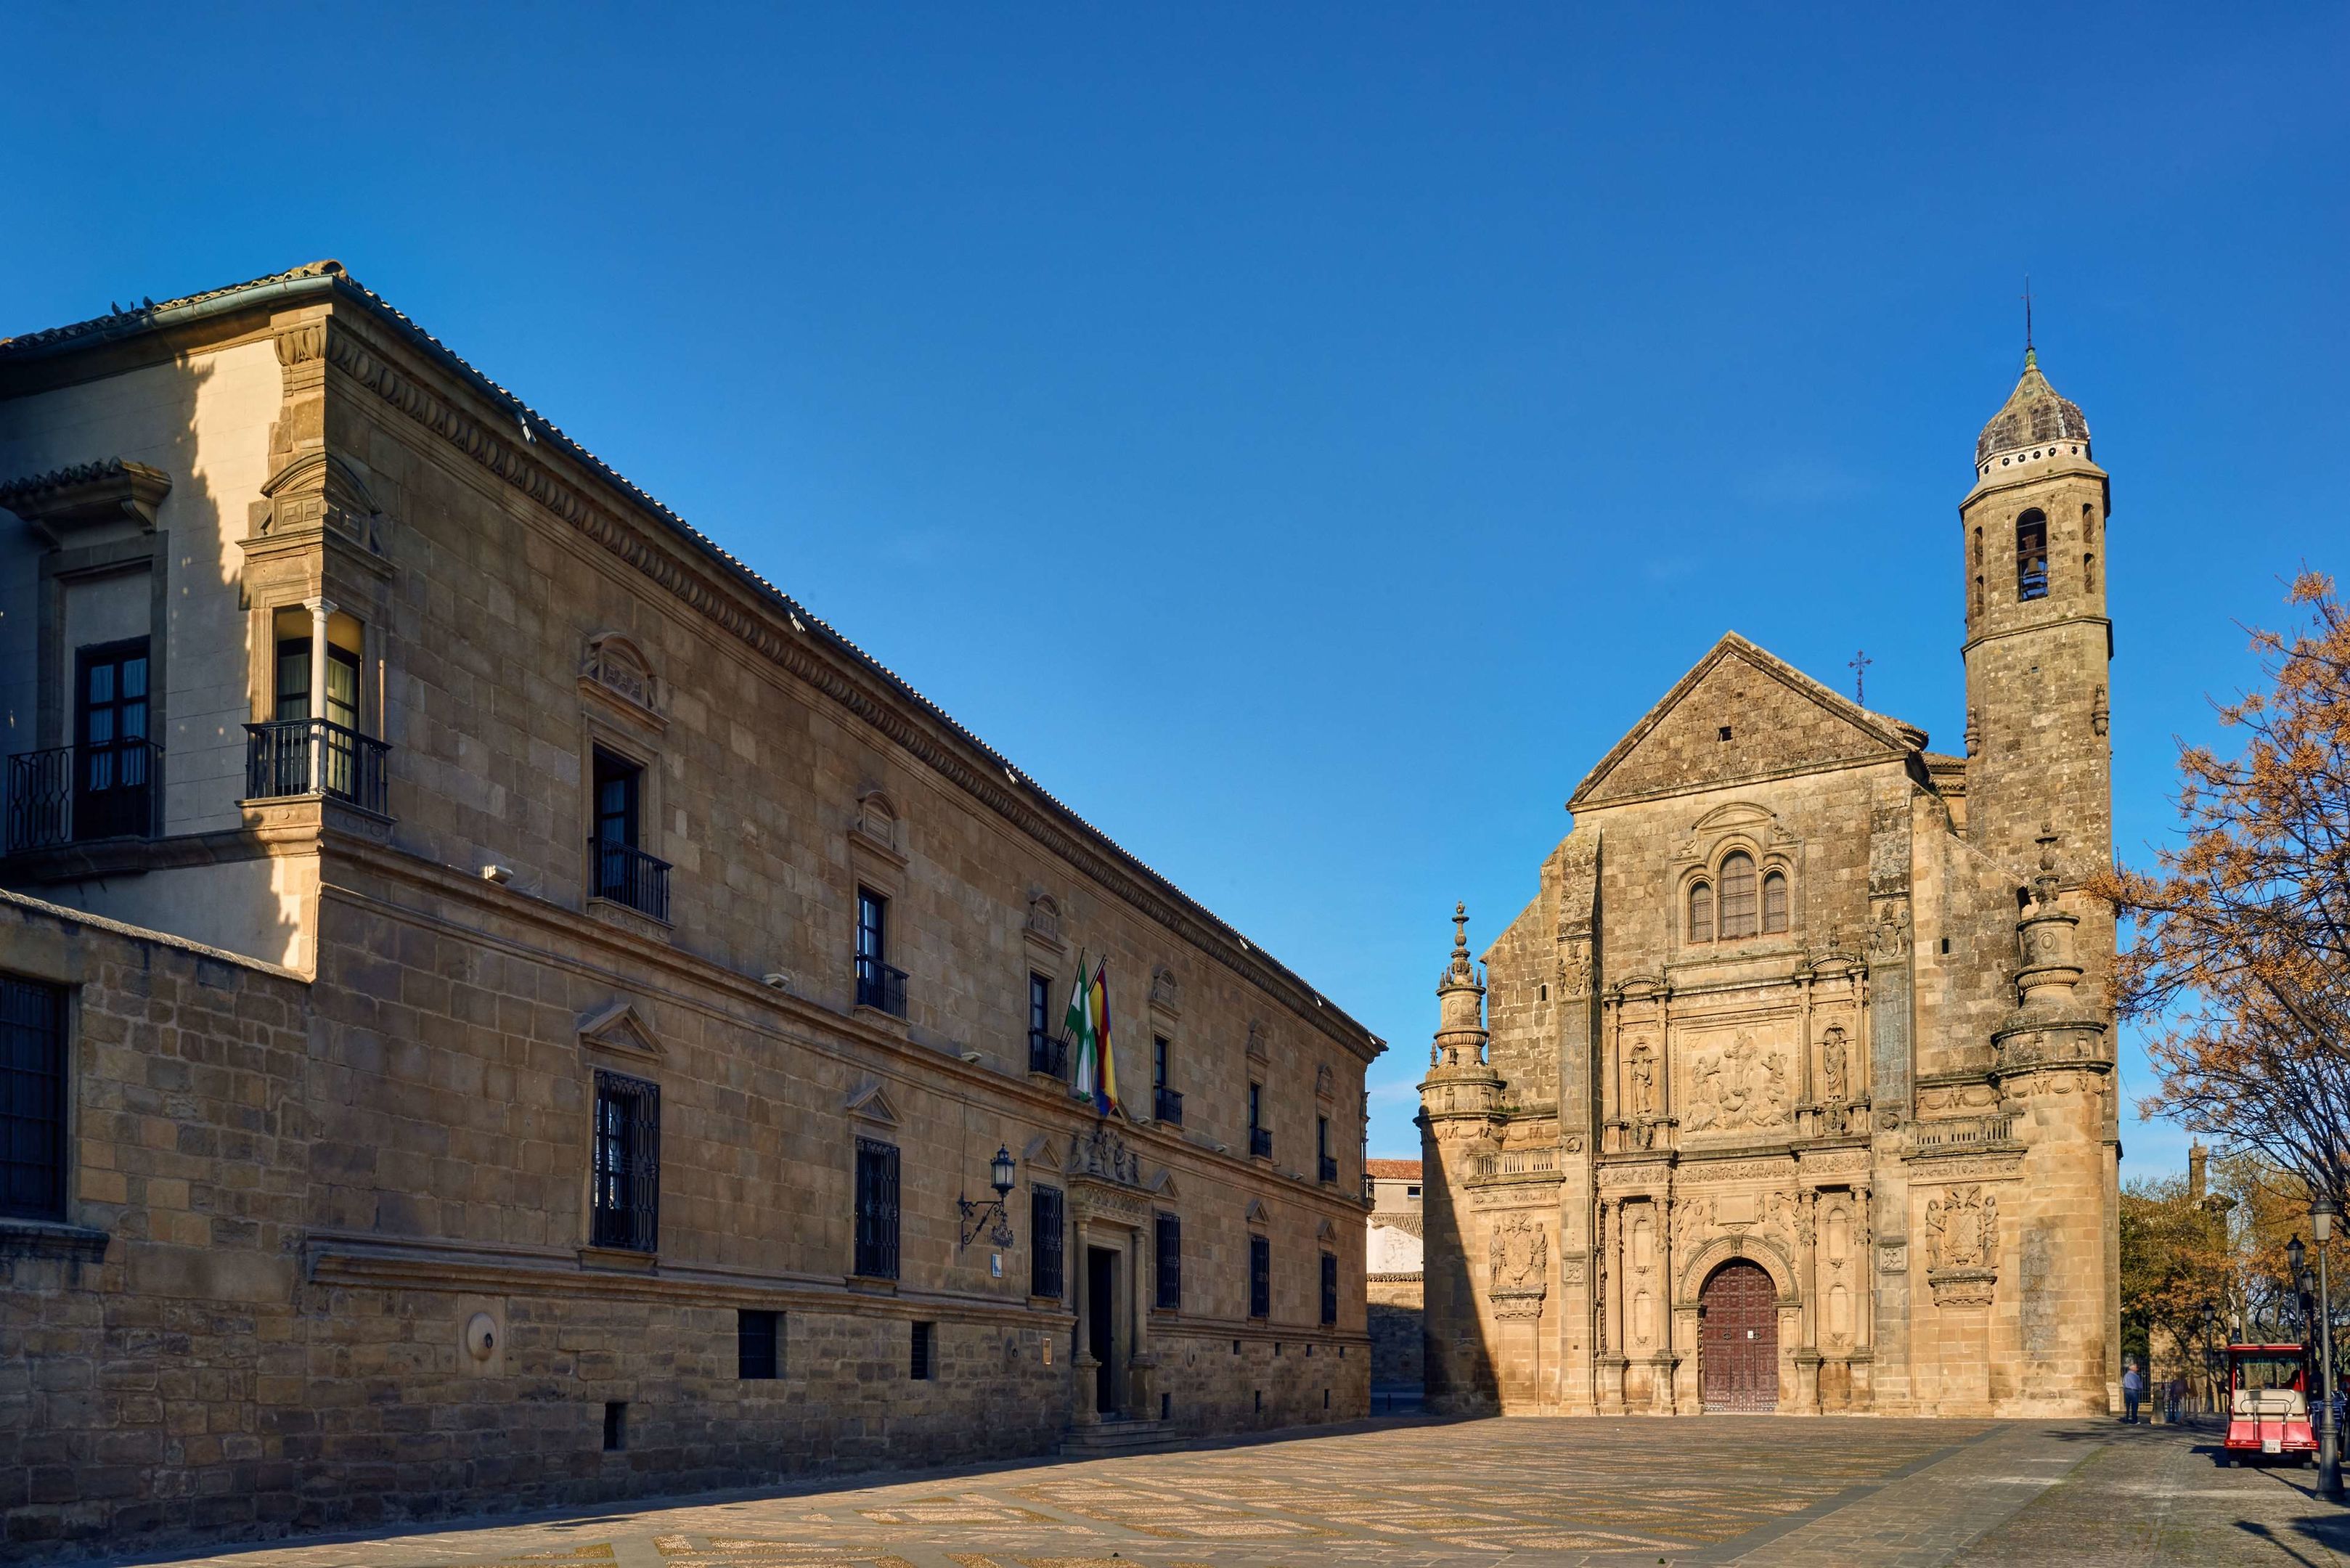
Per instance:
{"type": "Point", "coordinates": [1736, 1078]}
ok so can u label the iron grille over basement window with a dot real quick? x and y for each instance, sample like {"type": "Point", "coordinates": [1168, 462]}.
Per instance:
{"type": "Point", "coordinates": [1045, 1224]}
{"type": "Point", "coordinates": [32, 1099]}
{"type": "Point", "coordinates": [628, 1163]}
{"type": "Point", "coordinates": [1329, 1288]}
{"type": "Point", "coordinates": [1259, 1277]}
{"type": "Point", "coordinates": [925, 1363]}
{"type": "Point", "coordinates": [877, 1209]}
{"type": "Point", "coordinates": [1170, 1230]}
{"type": "Point", "coordinates": [758, 1344]}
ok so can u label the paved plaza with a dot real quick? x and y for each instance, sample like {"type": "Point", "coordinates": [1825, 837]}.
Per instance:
{"type": "Point", "coordinates": [1724, 1490]}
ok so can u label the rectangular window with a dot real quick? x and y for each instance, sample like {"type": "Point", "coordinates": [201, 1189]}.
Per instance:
{"type": "Point", "coordinates": [1329, 1288]}
{"type": "Point", "coordinates": [1047, 1051]}
{"type": "Point", "coordinates": [1256, 1106]}
{"type": "Point", "coordinates": [1045, 1227]}
{"type": "Point", "coordinates": [32, 1099]}
{"type": "Point", "coordinates": [877, 1209]}
{"type": "Point", "coordinates": [758, 1344]}
{"type": "Point", "coordinates": [619, 791]}
{"type": "Point", "coordinates": [626, 1212]}
{"type": "Point", "coordinates": [1259, 1277]}
{"type": "Point", "coordinates": [111, 783]}
{"type": "Point", "coordinates": [1159, 1061]}
{"type": "Point", "coordinates": [621, 871]}
{"type": "Point", "coordinates": [924, 1366]}
{"type": "Point", "coordinates": [878, 984]}
{"type": "Point", "coordinates": [1169, 1231]}
{"type": "Point", "coordinates": [1326, 1163]}
{"type": "Point", "coordinates": [616, 1426]}
{"type": "Point", "coordinates": [294, 682]}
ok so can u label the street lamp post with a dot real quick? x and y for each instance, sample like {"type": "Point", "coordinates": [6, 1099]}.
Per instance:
{"type": "Point", "coordinates": [2322, 1214]}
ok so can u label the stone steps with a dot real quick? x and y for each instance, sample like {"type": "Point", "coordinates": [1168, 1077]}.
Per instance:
{"type": "Point", "coordinates": [1113, 1435]}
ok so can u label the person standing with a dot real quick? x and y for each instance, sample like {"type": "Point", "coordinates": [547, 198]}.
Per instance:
{"type": "Point", "coordinates": [2133, 1389]}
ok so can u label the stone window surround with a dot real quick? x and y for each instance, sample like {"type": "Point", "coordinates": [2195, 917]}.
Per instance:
{"type": "Point", "coordinates": [1708, 872]}
{"type": "Point", "coordinates": [597, 732]}
{"type": "Point", "coordinates": [53, 713]}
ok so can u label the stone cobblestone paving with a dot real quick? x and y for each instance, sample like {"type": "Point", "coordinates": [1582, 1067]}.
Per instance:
{"type": "Point", "coordinates": [1756, 1492]}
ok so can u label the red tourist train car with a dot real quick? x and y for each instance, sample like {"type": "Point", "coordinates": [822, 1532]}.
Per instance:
{"type": "Point", "coordinates": [2268, 1402]}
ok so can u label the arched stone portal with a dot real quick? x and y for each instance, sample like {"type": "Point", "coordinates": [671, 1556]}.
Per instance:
{"type": "Point", "coordinates": [1738, 1338]}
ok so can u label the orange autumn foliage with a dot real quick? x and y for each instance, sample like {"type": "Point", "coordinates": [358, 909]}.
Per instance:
{"type": "Point", "coordinates": [2240, 965]}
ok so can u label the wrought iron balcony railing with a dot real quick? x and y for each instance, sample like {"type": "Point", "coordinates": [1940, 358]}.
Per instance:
{"type": "Point", "coordinates": [624, 874]}
{"type": "Point", "coordinates": [1329, 1171]}
{"type": "Point", "coordinates": [314, 756]}
{"type": "Point", "coordinates": [1048, 1054]}
{"type": "Point", "coordinates": [68, 794]}
{"type": "Point", "coordinates": [879, 985]}
{"type": "Point", "coordinates": [1167, 1105]}
{"type": "Point", "coordinates": [1261, 1142]}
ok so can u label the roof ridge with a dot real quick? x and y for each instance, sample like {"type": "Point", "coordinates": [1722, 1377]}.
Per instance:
{"type": "Point", "coordinates": [336, 275]}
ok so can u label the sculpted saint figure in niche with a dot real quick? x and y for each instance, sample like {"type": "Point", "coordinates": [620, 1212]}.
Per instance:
{"type": "Point", "coordinates": [1831, 1082]}
{"type": "Point", "coordinates": [1643, 1080]}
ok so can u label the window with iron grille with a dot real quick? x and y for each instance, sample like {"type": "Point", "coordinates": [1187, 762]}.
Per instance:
{"type": "Point", "coordinates": [1739, 908]}
{"type": "Point", "coordinates": [32, 1099]}
{"type": "Point", "coordinates": [1044, 1225]}
{"type": "Point", "coordinates": [628, 1163]}
{"type": "Point", "coordinates": [758, 1344]}
{"type": "Point", "coordinates": [877, 1209]}
{"type": "Point", "coordinates": [1170, 1231]}
{"type": "Point", "coordinates": [1774, 902]}
{"type": "Point", "coordinates": [1259, 1277]}
{"type": "Point", "coordinates": [1329, 1287]}
{"type": "Point", "coordinates": [1700, 912]}
{"type": "Point", "coordinates": [924, 1360]}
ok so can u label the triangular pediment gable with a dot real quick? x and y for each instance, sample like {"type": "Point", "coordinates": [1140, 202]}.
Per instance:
{"type": "Point", "coordinates": [620, 1025]}
{"type": "Point", "coordinates": [1164, 1187]}
{"type": "Point", "coordinates": [1257, 1214]}
{"type": "Point", "coordinates": [1779, 720]}
{"type": "Point", "coordinates": [1040, 1155]}
{"type": "Point", "coordinates": [871, 1104]}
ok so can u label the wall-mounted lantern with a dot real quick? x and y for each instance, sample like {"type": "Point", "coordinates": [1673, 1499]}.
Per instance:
{"type": "Point", "coordinates": [975, 1216]}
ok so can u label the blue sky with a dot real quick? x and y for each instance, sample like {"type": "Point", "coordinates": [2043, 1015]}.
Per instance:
{"type": "Point", "coordinates": [1348, 419]}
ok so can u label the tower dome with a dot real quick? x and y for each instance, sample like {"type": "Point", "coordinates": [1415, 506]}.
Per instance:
{"type": "Point", "coordinates": [2034, 415]}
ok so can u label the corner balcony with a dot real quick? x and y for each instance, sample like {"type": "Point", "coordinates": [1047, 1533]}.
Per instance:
{"type": "Point", "coordinates": [288, 758]}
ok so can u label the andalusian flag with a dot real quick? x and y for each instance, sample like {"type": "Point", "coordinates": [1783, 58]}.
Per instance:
{"type": "Point", "coordinates": [1105, 1085]}
{"type": "Point", "coordinates": [1077, 1028]}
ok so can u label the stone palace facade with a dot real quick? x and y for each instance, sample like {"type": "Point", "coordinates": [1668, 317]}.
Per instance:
{"type": "Point", "coordinates": [1793, 1086]}
{"type": "Point", "coordinates": [501, 1006]}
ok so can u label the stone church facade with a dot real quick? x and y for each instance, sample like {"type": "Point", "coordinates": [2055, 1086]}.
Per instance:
{"type": "Point", "coordinates": [501, 1006]}
{"type": "Point", "coordinates": [1792, 1089]}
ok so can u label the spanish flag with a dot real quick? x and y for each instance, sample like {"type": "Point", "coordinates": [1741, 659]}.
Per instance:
{"type": "Point", "coordinates": [1105, 1085]}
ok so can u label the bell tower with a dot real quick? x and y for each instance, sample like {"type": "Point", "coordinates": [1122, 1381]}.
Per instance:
{"type": "Point", "coordinates": [2038, 643]}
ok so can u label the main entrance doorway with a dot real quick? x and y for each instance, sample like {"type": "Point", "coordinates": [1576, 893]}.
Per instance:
{"type": "Point", "coordinates": [1101, 1324]}
{"type": "Point", "coordinates": [1737, 1339]}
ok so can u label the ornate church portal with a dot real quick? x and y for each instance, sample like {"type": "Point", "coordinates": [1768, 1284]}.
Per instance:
{"type": "Point", "coordinates": [1737, 1339]}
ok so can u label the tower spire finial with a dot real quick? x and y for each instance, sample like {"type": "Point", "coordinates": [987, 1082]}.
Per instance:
{"type": "Point", "coordinates": [2030, 355]}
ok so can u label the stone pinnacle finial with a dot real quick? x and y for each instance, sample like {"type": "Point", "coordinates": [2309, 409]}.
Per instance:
{"type": "Point", "coordinates": [1460, 969]}
{"type": "Point", "coordinates": [2044, 886]}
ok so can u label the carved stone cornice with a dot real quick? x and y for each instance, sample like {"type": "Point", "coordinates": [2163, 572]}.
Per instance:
{"type": "Point", "coordinates": [64, 500]}
{"type": "Point", "coordinates": [806, 652]}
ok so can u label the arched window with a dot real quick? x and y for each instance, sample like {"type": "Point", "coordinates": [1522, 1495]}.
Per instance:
{"type": "Point", "coordinates": [1774, 902]}
{"type": "Point", "coordinates": [2032, 556]}
{"type": "Point", "coordinates": [2089, 543]}
{"type": "Point", "coordinates": [1700, 912]}
{"type": "Point", "coordinates": [1738, 911]}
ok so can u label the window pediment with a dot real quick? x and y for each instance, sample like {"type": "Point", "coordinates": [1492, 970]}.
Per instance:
{"type": "Point", "coordinates": [66, 502]}
{"type": "Point", "coordinates": [620, 1025]}
{"type": "Point", "coordinates": [616, 670]}
{"type": "Point", "coordinates": [870, 1102]}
